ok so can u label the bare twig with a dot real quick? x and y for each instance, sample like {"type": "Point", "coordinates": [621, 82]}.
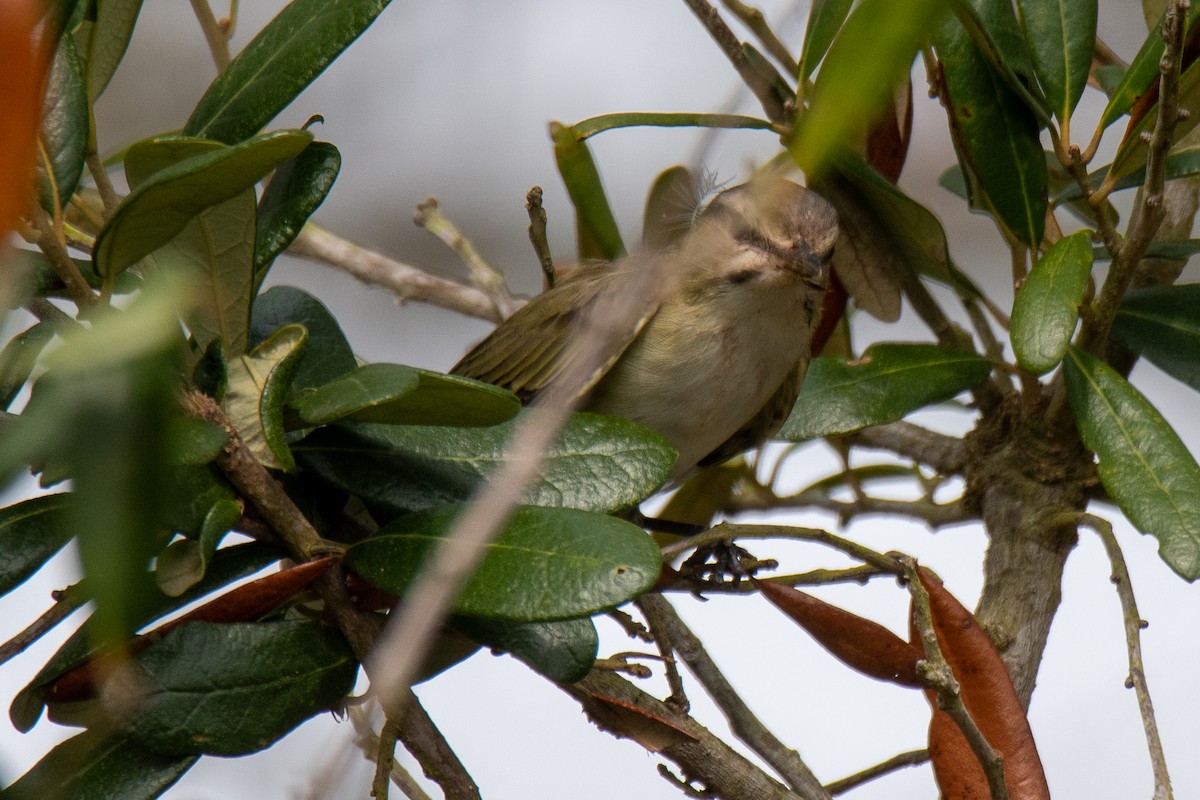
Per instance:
{"type": "Point", "coordinates": [104, 187]}
{"type": "Point", "coordinates": [742, 721]}
{"type": "Point", "coordinates": [537, 235]}
{"type": "Point", "coordinates": [937, 674]}
{"type": "Point", "coordinates": [368, 742]}
{"type": "Point", "coordinates": [385, 759]}
{"type": "Point", "coordinates": [66, 602]}
{"type": "Point", "coordinates": [1133, 641]}
{"type": "Point", "coordinates": [46, 311]}
{"type": "Point", "coordinates": [725, 38]}
{"type": "Point", "coordinates": [483, 274]}
{"type": "Point", "coordinates": [56, 252]}
{"type": "Point", "coordinates": [404, 280]}
{"type": "Point", "coordinates": [754, 19]}
{"type": "Point", "coordinates": [215, 34]}
{"type": "Point", "coordinates": [910, 759]}
{"type": "Point", "coordinates": [431, 750]}
{"type": "Point", "coordinates": [935, 515]}
{"type": "Point", "coordinates": [655, 609]}
{"type": "Point", "coordinates": [728, 531]}
{"type": "Point", "coordinates": [946, 454]}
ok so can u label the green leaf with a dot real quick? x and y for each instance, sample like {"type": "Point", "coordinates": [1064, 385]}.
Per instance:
{"type": "Point", "coordinates": [866, 61]}
{"type": "Point", "coordinates": [287, 55]}
{"type": "Point", "coordinates": [65, 128]}
{"type": "Point", "coordinates": [237, 688]}
{"type": "Point", "coordinates": [30, 534]}
{"type": "Point", "coordinates": [195, 441]}
{"type": "Point", "coordinates": [327, 355]}
{"type": "Point", "coordinates": [259, 382]}
{"type": "Point", "coordinates": [153, 154]}
{"type": "Point", "coordinates": [888, 382]}
{"type": "Point", "coordinates": [1145, 468]}
{"type": "Point", "coordinates": [995, 133]}
{"type": "Point", "coordinates": [110, 35]}
{"type": "Point", "coordinates": [392, 393]}
{"type": "Point", "coordinates": [96, 766]}
{"type": "Point", "coordinates": [181, 565]}
{"type": "Point", "coordinates": [563, 651]}
{"type": "Point", "coordinates": [583, 562]}
{"type": "Point", "coordinates": [162, 206]}
{"type": "Point", "coordinates": [1061, 36]}
{"type": "Point", "coordinates": [1181, 163]}
{"type": "Point", "coordinates": [598, 234]}
{"type": "Point", "coordinates": [18, 359]}
{"type": "Point", "coordinates": [825, 18]}
{"type": "Point", "coordinates": [1163, 324]}
{"type": "Point", "coordinates": [1046, 307]}
{"type": "Point", "coordinates": [228, 565]}
{"type": "Point", "coordinates": [635, 119]}
{"type": "Point", "coordinates": [297, 189]}
{"type": "Point", "coordinates": [596, 464]}
{"type": "Point", "coordinates": [1131, 152]}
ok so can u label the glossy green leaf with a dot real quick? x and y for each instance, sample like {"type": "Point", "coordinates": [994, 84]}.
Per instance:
{"type": "Point", "coordinates": [108, 40]}
{"type": "Point", "coordinates": [1181, 163]}
{"type": "Point", "coordinates": [638, 119]}
{"type": "Point", "coordinates": [1061, 36]}
{"type": "Point", "coordinates": [148, 156]}
{"type": "Point", "coordinates": [328, 354]}
{"type": "Point", "coordinates": [192, 492]}
{"type": "Point", "coordinates": [31, 532]}
{"type": "Point", "coordinates": [1145, 468]}
{"type": "Point", "coordinates": [583, 562]}
{"type": "Point", "coordinates": [825, 19]}
{"type": "Point", "coordinates": [162, 206]}
{"type": "Point", "coordinates": [670, 203]}
{"type": "Point", "coordinates": [864, 64]}
{"type": "Point", "coordinates": [1163, 324]}
{"type": "Point", "coordinates": [597, 463]}
{"type": "Point", "coordinates": [181, 565]}
{"type": "Point", "coordinates": [227, 565]}
{"type": "Point", "coordinates": [995, 131]}
{"type": "Point", "coordinates": [287, 55]}
{"type": "Point", "coordinates": [1142, 73]}
{"type": "Point", "coordinates": [259, 382]}
{"type": "Point", "coordinates": [297, 189]}
{"type": "Point", "coordinates": [888, 382]}
{"type": "Point", "coordinates": [598, 234]}
{"type": "Point", "coordinates": [237, 688]}
{"type": "Point", "coordinates": [94, 765]}
{"type": "Point", "coordinates": [65, 128]}
{"type": "Point", "coordinates": [1046, 307]}
{"type": "Point", "coordinates": [563, 651]}
{"type": "Point", "coordinates": [18, 359]}
{"type": "Point", "coordinates": [992, 26]}
{"type": "Point", "coordinates": [1131, 152]}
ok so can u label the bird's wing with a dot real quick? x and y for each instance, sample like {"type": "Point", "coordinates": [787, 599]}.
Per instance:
{"type": "Point", "coordinates": [530, 349]}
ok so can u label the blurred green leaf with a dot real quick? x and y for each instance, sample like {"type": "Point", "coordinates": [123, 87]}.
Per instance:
{"type": "Point", "coordinates": [31, 532]}
{"type": "Point", "coordinates": [236, 688]}
{"type": "Point", "coordinates": [259, 382]}
{"type": "Point", "coordinates": [108, 39]}
{"type": "Point", "coordinates": [94, 765]}
{"type": "Point", "coordinates": [995, 132]}
{"type": "Point", "coordinates": [227, 565]}
{"type": "Point", "coordinates": [563, 650]}
{"type": "Point", "coordinates": [66, 121]}
{"type": "Point", "coordinates": [825, 19]}
{"type": "Point", "coordinates": [888, 382]}
{"type": "Point", "coordinates": [327, 355]}
{"type": "Point", "coordinates": [1145, 468]}
{"type": "Point", "coordinates": [584, 562]}
{"type": "Point", "coordinates": [1046, 307]}
{"type": "Point", "coordinates": [287, 55]}
{"type": "Point", "coordinates": [634, 119]}
{"type": "Point", "coordinates": [162, 206]}
{"type": "Point", "coordinates": [18, 359]}
{"type": "Point", "coordinates": [297, 189]}
{"type": "Point", "coordinates": [1163, 324]}
{"type": "Point", "coordinates": [195, 441]}
{"type": "Point", "coordinates": [1061, 36]}
{"type": "Point", "coordinates": [872, 54]}
{"type": "Point", "coordinates": [597, 463]}
{"type": "Point", "coordinates": [599, 236]}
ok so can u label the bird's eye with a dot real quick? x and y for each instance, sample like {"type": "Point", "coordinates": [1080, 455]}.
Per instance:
{"type": "Point", "coordinates": [751, 237]}
{"type": "Point", "coordinates": [742, 276]}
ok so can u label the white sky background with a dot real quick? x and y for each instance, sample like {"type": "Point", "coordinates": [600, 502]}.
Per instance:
{"type": "Point", "coordinates": [451, 99]}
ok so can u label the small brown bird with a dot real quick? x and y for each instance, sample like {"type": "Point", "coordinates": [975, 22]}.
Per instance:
{"type": "Point", "coordinates": [715, 356]}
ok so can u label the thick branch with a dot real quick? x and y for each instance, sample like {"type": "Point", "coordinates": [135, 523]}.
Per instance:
{"type": "Point", "coordinates": [945, 454]}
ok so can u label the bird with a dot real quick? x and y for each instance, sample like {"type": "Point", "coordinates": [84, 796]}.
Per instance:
{"type": "Point", "coordinates": [719, 332]}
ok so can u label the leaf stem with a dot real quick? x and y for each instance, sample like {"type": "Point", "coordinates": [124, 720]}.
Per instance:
{"type": "Point", "coordinates": [910, 759]}
{"type": "Point", "coordinates": [216, 34]}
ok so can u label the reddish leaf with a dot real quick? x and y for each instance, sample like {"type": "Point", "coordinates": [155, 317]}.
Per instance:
{"type": "Point", "coordinates": [860, 643]}
{"type": "Point", "coordinates": [959, 774]}
{"type": "Point", "coordinates": [832, 309]}
{"type": "Point", "coordinates": [25, 65]}
{"type": "Point", "coordinates": [990, 699]}
{"type": "Point", "coordinates": [887, 142]}
{"type": "Point", "coordinates": [651, 731]}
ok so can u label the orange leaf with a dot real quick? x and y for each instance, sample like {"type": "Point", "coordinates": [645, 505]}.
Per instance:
{"type": "Point", "coordinates": [25, 65]}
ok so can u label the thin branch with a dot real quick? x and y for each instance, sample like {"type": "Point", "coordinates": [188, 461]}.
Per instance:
{"type": "Point", "coordinates": [731, 46]}
{"type": "Point", "coordinates": [368, 743]}
{"type": "Point", "coordinates": [215, 34]}
{"type": "Point", "coordinates": [754, 19]}
{"type": "Point", "coordinates": [483, 274]}
{"type": "Point", "coordinates": [104, 186]}
{"type": "Point", "coordinates": [935, 515]}
{"type": "Point", "coordinates": [431, 750]}
{"type": "Point", "coordinates": [385, 759]}
{"type": "Point", "coordinates": [537, 235]}
{"type": "Point", "coordinates": [742, 721]}
{"type": "Point", "coordinates": [1133, 641]}
{"type": "Point", "coordinates": [937, 674]}
{"type": "Point", "coordinates": [656, 610]}
{"type": "Point", "coordinates": [912, 758]}
{"type": "Point", "coordinates": [66, 602]}
{"type": "Point", "coordinates": [55, 249]}
{"type": "Point", "coordinates": [403, 280]}
{"type": "Point", "coordinates": [945, 454]}
{"type": "Point", "coordinates": [46, 311]}
{"type": "Point", "coordinates": [728, 531]}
